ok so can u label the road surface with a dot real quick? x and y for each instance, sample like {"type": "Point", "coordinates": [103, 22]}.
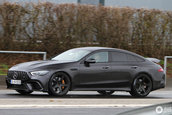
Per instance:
{"type": "Point", "coordinates": [76, 103]}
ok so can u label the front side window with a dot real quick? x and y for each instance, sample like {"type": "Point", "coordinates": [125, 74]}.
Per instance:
{"type": "Point", "coordinates": [99, 57]}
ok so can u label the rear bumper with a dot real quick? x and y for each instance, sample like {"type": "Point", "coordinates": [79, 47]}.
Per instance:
{"type": "Point", "coordinates": [159, 84]}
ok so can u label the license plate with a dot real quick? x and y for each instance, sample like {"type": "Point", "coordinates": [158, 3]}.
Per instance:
{"type": "Point", "coordinates": [16, 82]}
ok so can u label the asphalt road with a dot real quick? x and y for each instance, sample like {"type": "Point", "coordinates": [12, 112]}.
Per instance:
{"type": "Point", "coordinates": [76, 103]}
{"type": "Point", "coordinates": [64, 111]}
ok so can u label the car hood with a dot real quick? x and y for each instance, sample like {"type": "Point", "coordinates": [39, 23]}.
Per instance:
{"type": "Point", "coordinates": [36, 65]}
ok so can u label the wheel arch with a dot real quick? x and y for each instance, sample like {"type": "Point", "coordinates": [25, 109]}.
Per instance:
{"type": "Point", "coordinates": [66, 74]}
{"type": "Point", "coordinates": [146, 73]}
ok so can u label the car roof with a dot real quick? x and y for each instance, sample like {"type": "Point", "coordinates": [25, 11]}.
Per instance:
{"type": "Point", "coordinates": [94, 48]}
{"type": "Point", "coordinates": [107, 48]}
{"type": "Point", "coordinates": [102, 48]}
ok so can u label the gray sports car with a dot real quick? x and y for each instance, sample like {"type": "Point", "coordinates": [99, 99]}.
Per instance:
{"type": "Point", "coordinates": [100, 69]}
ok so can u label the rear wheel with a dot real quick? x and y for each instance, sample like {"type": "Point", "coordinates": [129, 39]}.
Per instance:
{"type": "Point", "coordinates": [103, 92]}
{"type": "Point", "coordinates": [141, 86]}
{"type": "Point", "coordinates": [24, 92]}
{"type": "Point", "coordinates": [59, 84]}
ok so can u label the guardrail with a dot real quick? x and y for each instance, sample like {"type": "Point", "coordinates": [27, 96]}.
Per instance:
{"type": "Point", "coordinates": [3, 71]}
{"type": "Point", "coordinates": [165, 65]}
{"type": "Point", "coordinates": [26, 52]}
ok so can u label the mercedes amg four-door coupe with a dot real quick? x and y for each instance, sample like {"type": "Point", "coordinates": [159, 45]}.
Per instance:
{"type": "Point", "coordinates": [100, 69]}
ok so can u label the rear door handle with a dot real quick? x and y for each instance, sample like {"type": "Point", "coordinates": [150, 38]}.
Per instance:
{"type": "Point", "coordinates": [105, 67]}
{"type": "Point", "coordinates": [134, 67]}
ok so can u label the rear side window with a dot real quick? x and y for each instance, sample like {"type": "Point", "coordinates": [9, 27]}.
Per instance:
{"type": "Point", "coordinates": [139, 59]}
{"type": "Point", "coordinates": [119, 56]}
{"type": "Point", "coordinates": [131, 57]}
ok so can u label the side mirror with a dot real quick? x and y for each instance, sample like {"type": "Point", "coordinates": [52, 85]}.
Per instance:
{"type": "Point", "coordinates": [88, 61]}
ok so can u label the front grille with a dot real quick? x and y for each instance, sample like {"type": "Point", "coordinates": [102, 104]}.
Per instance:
{"type": "Point", "coordinates": [18, 75]}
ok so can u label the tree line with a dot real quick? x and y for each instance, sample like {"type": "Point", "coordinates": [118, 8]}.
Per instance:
{"type": "Point", "coordinates": [57, 27]}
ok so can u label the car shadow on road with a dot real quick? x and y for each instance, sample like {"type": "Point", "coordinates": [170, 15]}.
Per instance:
{"type": "Point", "coordinates": [80, 96]}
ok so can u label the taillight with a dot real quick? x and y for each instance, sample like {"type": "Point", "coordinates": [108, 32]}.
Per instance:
{"type": "Point", "coordinates": [160, 70]}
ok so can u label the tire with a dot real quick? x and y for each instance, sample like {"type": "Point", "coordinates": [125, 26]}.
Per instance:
{"type": "Point", "coordinates": [24, 92]}
{"type": "Point", "coordinates": [59, 84]}
{"type": "Point", "coordinates": [141, 86]}
{"type": "Point", "coordinates": [103, 92]}
{"type": "Point", "coordinates": [50, 93]}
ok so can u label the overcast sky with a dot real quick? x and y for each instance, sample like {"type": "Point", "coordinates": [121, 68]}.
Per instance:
{"type": "Point", "coordinates": [157, 4]}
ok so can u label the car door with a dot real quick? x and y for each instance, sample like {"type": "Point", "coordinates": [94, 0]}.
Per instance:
{"type": "Point", "coordinates": [96, 74]}
{"type": "Point", "coordinates": [124, 67]}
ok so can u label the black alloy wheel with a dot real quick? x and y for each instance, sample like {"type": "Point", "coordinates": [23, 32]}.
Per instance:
{"type": "Point", "coordinates": [24, 92]}
{"type": "Point", "coordinates": [102, 92]}
{"type": "Point", "coordinates": [59, 84]}
{"type": "Point", "coordinates": [142, 86]}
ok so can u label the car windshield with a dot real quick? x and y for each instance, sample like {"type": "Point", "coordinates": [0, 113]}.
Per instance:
{"type": "Point", "coordinates": [71, 55]}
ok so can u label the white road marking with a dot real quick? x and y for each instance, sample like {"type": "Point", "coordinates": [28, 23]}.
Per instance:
{"type": "Point", "coordinates": [73, 106]}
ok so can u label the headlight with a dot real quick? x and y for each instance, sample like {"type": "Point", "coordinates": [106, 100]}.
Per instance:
{"type": "Point", "coordinates": [39, 73]}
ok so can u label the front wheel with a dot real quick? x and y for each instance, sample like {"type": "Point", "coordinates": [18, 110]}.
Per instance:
{"type": "Point", "coordinates": [59, 84]}
{"type": "Point", "coordinates": [24, 92]}
{"type": "Point", "coordinates": [102, 92]}
{"type": "Point", "coordinates": [141, 86]}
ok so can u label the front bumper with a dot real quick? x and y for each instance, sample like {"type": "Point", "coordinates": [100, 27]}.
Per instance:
{"type": "Point", "coordinates": [25, 85]}
{"type": "Point", "coordinates": [28, 83]}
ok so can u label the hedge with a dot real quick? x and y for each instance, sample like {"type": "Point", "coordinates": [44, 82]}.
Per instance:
{"type": "Point", "coordinates": [57, 27]}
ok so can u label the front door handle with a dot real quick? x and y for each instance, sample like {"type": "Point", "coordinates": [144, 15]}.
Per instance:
{"type": "Point", "coordinates": [105, 67]}
{"type": "Point", "coordinates": [134, 67]}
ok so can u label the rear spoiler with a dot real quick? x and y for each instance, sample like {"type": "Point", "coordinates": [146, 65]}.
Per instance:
{"type": "Point", "coordinates": [155, 60]}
